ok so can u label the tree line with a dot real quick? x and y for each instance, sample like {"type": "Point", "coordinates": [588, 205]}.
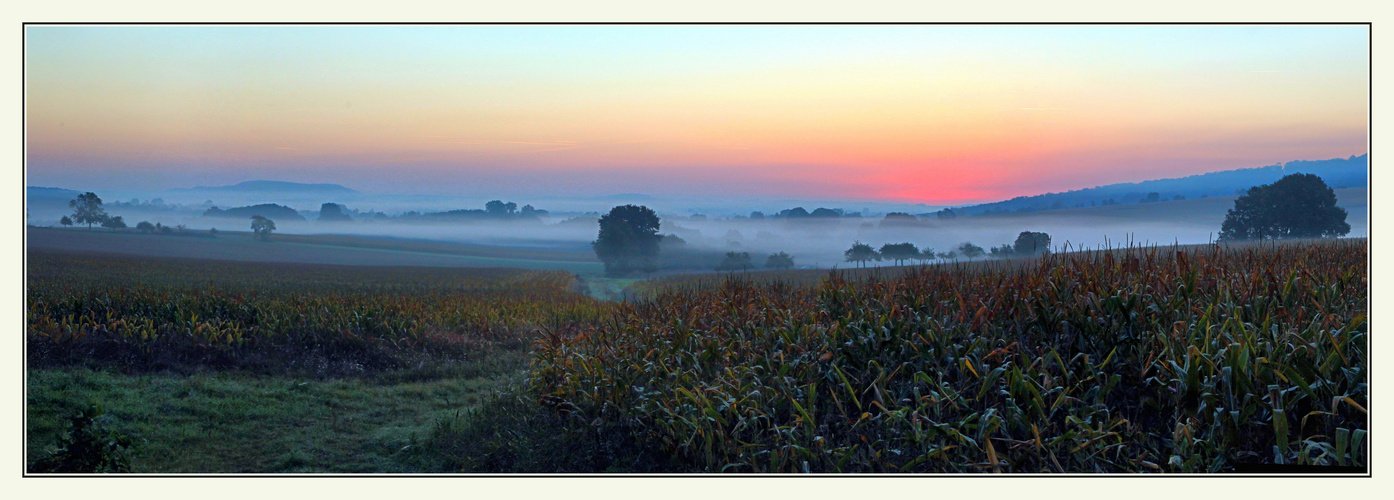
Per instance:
{"type": "Point", "coordinates": [1027, 243]}
{"type": "Point", "coordinates": [1296, 206]}
{"type": "Point", "coordinates": [89, 209]}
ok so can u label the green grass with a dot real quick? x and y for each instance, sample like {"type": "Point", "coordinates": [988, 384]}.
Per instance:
{"type": "Point", "coordinates": [234, 422]}
{"type": "Point", "coordinates": [222, 366]}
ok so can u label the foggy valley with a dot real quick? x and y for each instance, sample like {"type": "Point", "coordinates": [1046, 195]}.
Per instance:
{"type": "Point", "coordinates": [814, 242]}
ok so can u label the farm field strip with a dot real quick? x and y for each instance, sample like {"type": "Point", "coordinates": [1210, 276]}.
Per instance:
{"type": "Point", "coordinates": [313, 249]}
{"type": "Point", "coordinates": [1189, 359]}
{"type": "Point", "coordinates": [226, 422]}
{"type": "Point", "coordinates": [305, 358]}
{"type": "Point", "coordinates": [1136, 360]}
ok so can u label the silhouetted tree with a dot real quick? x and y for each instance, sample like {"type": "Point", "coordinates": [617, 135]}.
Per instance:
{"type": "Point", "coordinates": [494, 207]}
{"type": "Point", "coordinates": [1152, 198]}
{"type": "Point", "coordinates": [946, 214]}
{"type": "Point", "coordinates": [65, 221]}
{"type": "Point", "coordinates": [828, 213]}
{"type": "Point", "coordinates": [735, 261]}
{"type": "Point", "coordinates": [628, 239]}
{"type": "Point", "coordinates": [498, 208]}
{"type": "Point", "coordinates": [671, 240]}
{"type": "Point", "coordinates": [528, 211]}
{"type": "Point", "coordinates": [213, 231]}
{"type": "Point", "coordinates": [950, 255]}
{"type": "Point", "coordinates": [114, 223]}
{"type": "Point", "coordinates": [261, 226]}
{"type": "Point", "coordinates": [794, 213]}
{"type": "Point", "coordinates": [757, 215]}
{"type": "Point", "coordinates": [333, 212]}
{"type": "Point", "coordinates": [902, 218]}
{"type": "Point", "coordinates": [87, 209]}
{"type": "Point", "coordinates": [1031, 243]}
{"type": "Point", "coordinates": [145, 227]}
{"type": "Point", "coordinates": [1296, 206]}
{"type": "Point", "coordinates": [779, 260]}
{"type": "Point", "coordinates": [861, 253]}
{"type": "Point", "coordinates": [1002, 252]}
{"type": "Point", "coordinates": [925, 255]}
{"type": "Point", "coordinates": [970, 250]}
{"type": "Point", "coordinates": [899, 252]}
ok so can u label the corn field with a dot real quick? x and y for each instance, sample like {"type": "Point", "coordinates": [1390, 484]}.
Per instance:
{"type": "Point", "coordinates": [211, 304]}
{"type": "Point", "coordinates": [1132, 360]}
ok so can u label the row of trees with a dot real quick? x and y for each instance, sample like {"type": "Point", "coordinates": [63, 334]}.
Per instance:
{"type": "Point", "coordinates": [116, 222]}
{"type": "Point", "coordinates": [629, 241]}
{"type": "Point", "coordinates": [1027, 243]}
{"type": "Point", "coordinates": [88, 209]}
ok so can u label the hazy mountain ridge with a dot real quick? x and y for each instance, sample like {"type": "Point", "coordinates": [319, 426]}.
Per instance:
{"type": "Point", "coordinates": [48, 198]}
{"type": "Point", "coordinates": [50, 192]}
{"type": "Point", "coordinates": [1339, 173]}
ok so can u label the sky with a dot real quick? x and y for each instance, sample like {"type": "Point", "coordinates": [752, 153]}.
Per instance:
{"type": "Point", "coordinates": [917, 114]}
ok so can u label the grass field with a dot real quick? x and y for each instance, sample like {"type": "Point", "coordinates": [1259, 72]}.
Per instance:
{"type": "Point", "coordinates": [229, 421]}
{"type": "Point", "coordinates": [224, 366]}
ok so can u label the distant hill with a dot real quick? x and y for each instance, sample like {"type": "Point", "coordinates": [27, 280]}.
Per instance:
{"type": "Point", "coordinates": [34, 192]}
{"type": "Point", "coordinates": [279, 187]}
{"type": "Point", "coordinates": [47, 199]}
{"type": "Point", "coordinates": [269, 210]}
{"type": "Point", "coordinates": [1339, 173]}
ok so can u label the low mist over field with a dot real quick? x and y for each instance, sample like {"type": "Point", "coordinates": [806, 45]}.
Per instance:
{"type": "Point", "coordinates": [816, 242]}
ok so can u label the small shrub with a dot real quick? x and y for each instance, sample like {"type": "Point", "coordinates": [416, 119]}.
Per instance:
{"type": "Point", "coordinates": [89, 446]}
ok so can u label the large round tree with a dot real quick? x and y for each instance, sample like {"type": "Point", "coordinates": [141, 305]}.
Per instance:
{"type": "Point", "coordinates": [1031, 243]}
{"type": "Point", "coordinates": [628, 240]}
{"type": "Point", "coordinates": [87, 209]}
{"type": "Point", "coordinates": [1297, 206]}
{"type": "Point", "coordinates": [263, 227]}
{"type": "Point", "coordinates": [861, 253]}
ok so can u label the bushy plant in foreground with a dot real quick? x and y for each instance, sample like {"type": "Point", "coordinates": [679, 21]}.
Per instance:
{"type": "Point", "coordinates": [88, 447]}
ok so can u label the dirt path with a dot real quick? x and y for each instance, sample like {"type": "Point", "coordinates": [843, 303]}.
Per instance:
{"type": "Point", "coordinates": [602, 288]}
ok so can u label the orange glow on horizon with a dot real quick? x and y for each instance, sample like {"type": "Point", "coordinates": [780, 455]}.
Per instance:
{"type": "Point", "coordinates": [923, 114]}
